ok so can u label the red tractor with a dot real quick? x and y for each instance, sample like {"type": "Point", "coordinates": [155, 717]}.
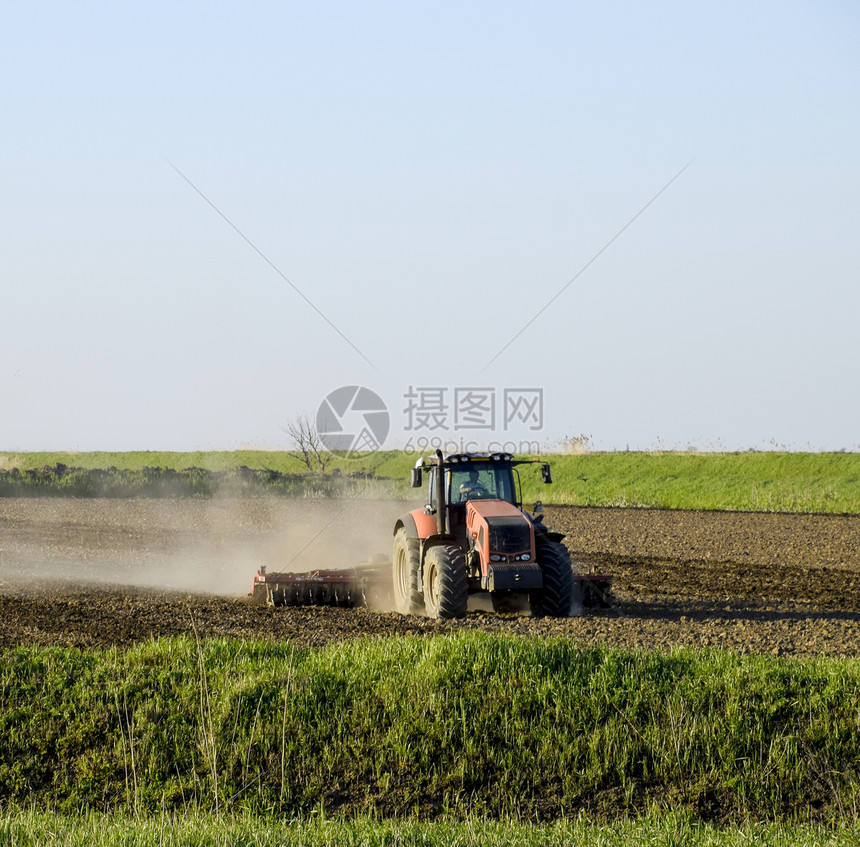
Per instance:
{"type": "Point", "coordinates": [474, 535]}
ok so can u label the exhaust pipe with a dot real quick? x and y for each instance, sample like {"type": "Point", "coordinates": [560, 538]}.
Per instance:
{"type": "Point", "coordinates": [441, 505]}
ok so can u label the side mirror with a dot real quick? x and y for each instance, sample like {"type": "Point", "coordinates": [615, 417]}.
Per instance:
{"type": "Point", "coordinates": [415, 478]}
{"type": "Point", "coordinates": [546, 473]}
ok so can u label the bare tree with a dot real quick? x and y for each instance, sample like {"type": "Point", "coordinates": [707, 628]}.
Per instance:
{"type": "Point", "coordinates": [307, 443]}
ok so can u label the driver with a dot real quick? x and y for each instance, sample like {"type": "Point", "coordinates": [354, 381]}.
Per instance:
{"type": "Point", "coordinates": [472, 488]}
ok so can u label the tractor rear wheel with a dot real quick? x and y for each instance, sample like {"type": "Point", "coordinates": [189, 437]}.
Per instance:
{"type": "Point", "coordinates": [408, 600]}
{"type": "Point", "coordinates": [446, 588]}
{"type": "Point", "coordinates": [556, 597]}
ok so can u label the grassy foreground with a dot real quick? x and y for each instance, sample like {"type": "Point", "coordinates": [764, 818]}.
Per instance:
{"type": "Point", "coordinates": [98, 830]}
{"type": "Point", "coordinates": [463, 728]}
{"type": "Point", "coordinates": [751, 481]}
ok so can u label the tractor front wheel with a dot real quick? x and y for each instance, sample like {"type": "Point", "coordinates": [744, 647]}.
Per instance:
{"type": "Point", "coordinates": [408, 600]}
{"type": "Point", "coordinates": [446, 588]}
{"type": "Point", "coordinates": [556, 598]}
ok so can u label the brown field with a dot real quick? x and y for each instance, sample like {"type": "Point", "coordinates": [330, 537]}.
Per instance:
{"type": "Point", "coordinates": [112, 572]}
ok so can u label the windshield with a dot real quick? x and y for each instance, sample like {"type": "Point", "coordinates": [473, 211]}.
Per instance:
{"type": "Point", "coordinates": [484, 481]}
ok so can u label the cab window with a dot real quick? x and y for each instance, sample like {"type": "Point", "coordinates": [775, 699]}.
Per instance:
{"type": "Point", "coordinates": [480, 482]}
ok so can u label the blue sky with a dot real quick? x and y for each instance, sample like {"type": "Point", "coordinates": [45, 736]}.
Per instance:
{"type": "Point", "coordinates": [429, 176]}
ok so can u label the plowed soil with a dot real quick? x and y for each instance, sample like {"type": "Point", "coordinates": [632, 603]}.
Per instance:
{"type": "Point", "coordinates": [113, 572]}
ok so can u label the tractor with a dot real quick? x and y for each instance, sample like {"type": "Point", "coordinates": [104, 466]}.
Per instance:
{"type": "Point", "coordinates": [473, 535]}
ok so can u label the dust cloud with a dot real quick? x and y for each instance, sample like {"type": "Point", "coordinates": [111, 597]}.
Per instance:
{"type": "Point", "coordinates": [209, 546]}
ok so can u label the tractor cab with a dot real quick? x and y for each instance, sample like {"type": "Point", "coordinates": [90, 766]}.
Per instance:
{"type": "Point", "coordinates": [457, 478]}
{"type": "Point", "coordinates": [462, 487]}
{"type": "Point", "coordinates": [470, 478]}
{"type": "Point", "coordinates": [474, 478]}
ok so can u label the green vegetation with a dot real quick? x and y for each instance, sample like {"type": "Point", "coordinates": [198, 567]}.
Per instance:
{"type": "Point", "coordinates": [98, 830]}
{"type": "Point", "coordinates": [754, 482]}
{"type": "Point", "coordinates": [768, 482]}
{"type": "Point", "coordinates": [61, 481]}
{"type": "Point", "coordinates": [469, 727]}
{"type": "Point", "coordinates": [137, 460]}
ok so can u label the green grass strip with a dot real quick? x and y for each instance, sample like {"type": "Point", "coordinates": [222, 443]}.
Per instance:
{"type": "Point", "coordinates": [495, 726]}
{"type": "Point", "coordinates": [760, 482]}
{"type": "Point", "coordinates": [98, 830]}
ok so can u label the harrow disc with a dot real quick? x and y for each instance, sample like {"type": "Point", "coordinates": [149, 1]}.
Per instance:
{"type": "Point", "coordinates": [345, 588]}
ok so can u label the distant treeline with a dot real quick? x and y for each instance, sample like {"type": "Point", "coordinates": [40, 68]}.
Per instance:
{"type": "Point", "coordinates": [58, 480]}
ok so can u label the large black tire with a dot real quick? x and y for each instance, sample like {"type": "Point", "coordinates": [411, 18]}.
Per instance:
{"type": "Point", "coordinates": [446, 588]}
{"type": "Point", "coordinates": [408, 600]}
{"type": "Point", "coordinates": [556, 598]}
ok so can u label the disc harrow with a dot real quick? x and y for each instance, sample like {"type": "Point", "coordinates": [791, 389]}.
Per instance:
{"type": "Point", "coordinates": [344, 587]}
